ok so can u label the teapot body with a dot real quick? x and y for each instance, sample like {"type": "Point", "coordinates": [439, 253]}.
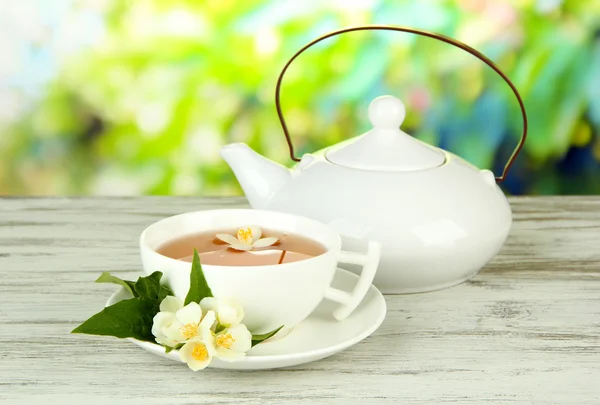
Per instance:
{"type": "Point", "coordinates": [439, 219]}
{"type": "Point", "coordinates": [438, 227]}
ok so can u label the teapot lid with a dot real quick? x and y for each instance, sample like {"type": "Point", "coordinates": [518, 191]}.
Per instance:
{"type": "Point", "coordinates": [386, 147]}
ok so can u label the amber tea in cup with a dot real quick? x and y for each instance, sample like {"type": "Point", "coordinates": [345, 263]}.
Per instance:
{"type": "Point", "coordinates": [288, 248]}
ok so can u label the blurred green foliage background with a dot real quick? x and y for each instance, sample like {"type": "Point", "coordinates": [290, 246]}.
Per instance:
{"type": "Point", "coordinates": [137, 97]}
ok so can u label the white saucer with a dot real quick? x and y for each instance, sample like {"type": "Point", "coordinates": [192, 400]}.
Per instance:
{"type": "Point", "coordinates": [315, 338]}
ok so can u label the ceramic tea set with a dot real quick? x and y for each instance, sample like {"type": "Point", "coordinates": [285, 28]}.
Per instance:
{"type": "Point", "coordinates": [427, 220]}
{"type": "Point", "coordinates": [308, 297]}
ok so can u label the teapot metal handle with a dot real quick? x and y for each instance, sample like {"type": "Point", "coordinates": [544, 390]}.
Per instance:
{"type": "Point", "coordinates": [415, 31]}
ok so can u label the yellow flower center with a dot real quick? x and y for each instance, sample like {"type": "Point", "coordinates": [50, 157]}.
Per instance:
{"type": "Point", "coordinates": [245, 235]}
{"type": "Point", "coordinates": [189, 330]}
{"type": "Point", "coordinates": [225, 341]}
{"type": "Point", "coordinates": [200, 353]}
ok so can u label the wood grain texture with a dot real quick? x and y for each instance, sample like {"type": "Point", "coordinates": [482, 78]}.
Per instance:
{"type": "Point", "coordinates": [525, 330]}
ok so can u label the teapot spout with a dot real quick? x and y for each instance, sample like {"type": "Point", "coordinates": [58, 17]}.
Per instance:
{"type": "Point", "coordinates": [259, 177]}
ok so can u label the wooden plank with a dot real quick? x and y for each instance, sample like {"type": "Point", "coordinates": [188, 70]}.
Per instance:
{"type": "Point", "coordinates": [525, 330]}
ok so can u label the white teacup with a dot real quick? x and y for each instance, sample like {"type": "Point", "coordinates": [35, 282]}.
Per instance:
{"type": "Point", "coordinates": [271, 295]}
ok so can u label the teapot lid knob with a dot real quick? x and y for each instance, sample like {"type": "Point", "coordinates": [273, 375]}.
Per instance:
{"type": "Point", "coordinates": [387, 112]}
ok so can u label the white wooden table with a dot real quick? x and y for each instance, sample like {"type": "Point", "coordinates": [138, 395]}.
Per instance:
{"type": "Point", "coordinates": [525, 330]}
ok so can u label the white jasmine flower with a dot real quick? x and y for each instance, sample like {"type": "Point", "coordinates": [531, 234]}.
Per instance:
{"type": "Point", "coordinates": [231, 344]}
{"type": "Point", "coordinates": [199, 351]}
{"type": "Point", "coordinates": [229, 313]}
{"type": "Point", "coordinates": [196, 354]}
{"type": "Point", "coordinates": [206, 330]}
{"type": "Point", "coordinates": [247, 239]}
{"type": "Point", "coordinates": [176, 324]}
{"type": "Point", "coordinates": [171, 304]}
{"type": "Point", "coordinates": [165, 329]}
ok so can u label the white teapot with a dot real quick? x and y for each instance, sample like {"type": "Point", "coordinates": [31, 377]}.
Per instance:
{"type": "Point", "coordinates": [439, 219]}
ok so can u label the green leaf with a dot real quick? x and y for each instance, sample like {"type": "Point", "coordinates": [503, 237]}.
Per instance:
{"type": "Point", "coordinates": [256, 339]}
{"type": "Point", "coordinates": [106, 277]}
{"type": "Point", "coordinates": [199, 288]}
{"type": "Point", "coordinates": [170, 349]}
{"type": "Point", "coordinates": [150, 287]}
{"type": "Point", "coordinates": [130, 318]}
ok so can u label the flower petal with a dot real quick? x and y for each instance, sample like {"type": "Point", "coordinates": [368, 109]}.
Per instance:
{"type": "Point", "coordinates": [208, 337]}
{"type": "Point", "coordinates": [207, 322]}
{"type": "Point", "coordinates": [164, 341]}
{"type": "Point", "coordinates": [208, 304]}
{"type": "Point", "coordinates": [228, 238]}
{"type": "Point", "coordinates": [191, 313]}
{"type": "Point", "coordinates": [229, 355]}
{"type": "Point", "coordinates": [171, 304]}
{"type": "Point", "coordinates": [174, 333]}
{"type": "Point", "coordinates": [256, 233]}
{"type": "Point", "coordinates": [242, 338]}
{"type": "Point", "coordinates": [264, 242]}
{"type": "Point", "coordinates": [230, 313]}
{"type": "Point", "coordinates": [161, 321]}
{"type": "Point", "coordinates": [227, 315]}
{"type": "Point", "coordinates": [240, 246]}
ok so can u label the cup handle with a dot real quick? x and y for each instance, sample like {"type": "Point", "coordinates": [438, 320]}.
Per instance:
{"type": "Point", "coordinates": [350, 300]}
